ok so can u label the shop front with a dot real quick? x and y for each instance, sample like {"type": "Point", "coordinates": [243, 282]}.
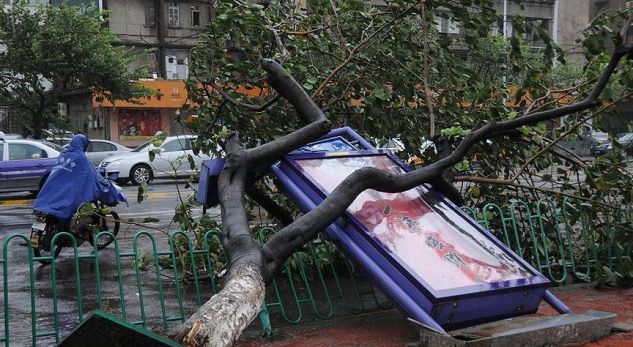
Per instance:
{"type": "Point", "coordinates": [136, 122]}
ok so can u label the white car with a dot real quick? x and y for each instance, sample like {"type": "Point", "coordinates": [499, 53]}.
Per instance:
{"type": "Point", "coordinates": [170, 161]}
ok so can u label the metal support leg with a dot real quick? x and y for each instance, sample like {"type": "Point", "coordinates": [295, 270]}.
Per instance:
{"type": "Point", "coordinates": [555, 302]}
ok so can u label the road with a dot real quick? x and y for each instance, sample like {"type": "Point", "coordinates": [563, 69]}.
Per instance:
{"type": "Point", "coordinates": [162, 198]}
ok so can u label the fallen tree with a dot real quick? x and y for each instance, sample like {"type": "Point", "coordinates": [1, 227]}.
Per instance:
{"type": "Point", "coordinates": [220, 321]}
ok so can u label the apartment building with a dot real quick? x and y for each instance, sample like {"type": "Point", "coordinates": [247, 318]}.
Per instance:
{"type": "Point", "coordinates": [563, 20]}
{"type": "Point", "coordinates": [160, 34]}
{"type": "Point", "coordinates": [170, 27]}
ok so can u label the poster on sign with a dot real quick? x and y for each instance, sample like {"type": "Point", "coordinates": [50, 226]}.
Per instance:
{"type": "Point", "coordinates": [135, 124]}
{"type": "Point", "coordinates": [421, 232]}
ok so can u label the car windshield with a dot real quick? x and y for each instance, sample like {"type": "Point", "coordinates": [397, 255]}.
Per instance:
{"type": "Point", "coordinates": [626, 138]}
{"type": "Point", "coordinates": [143, 147]}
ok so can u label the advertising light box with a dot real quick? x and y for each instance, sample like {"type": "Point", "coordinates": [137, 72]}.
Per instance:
{"type": "Point", "coordinates": [435, 262]}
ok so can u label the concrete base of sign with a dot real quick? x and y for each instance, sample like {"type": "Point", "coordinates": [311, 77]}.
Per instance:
{"type": "Point", "coordinates": [534, 330]}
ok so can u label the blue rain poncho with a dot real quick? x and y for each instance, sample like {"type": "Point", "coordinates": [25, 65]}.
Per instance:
{"type": "Point", "coordinates": [74, 181]}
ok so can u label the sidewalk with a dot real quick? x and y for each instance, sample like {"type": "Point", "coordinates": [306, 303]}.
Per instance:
{"type": "Point", "coordinates": [389, 328]}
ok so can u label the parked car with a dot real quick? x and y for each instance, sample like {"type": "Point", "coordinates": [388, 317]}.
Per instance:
{"type": "Point", "coordinates": [25, 164]}
{"type": "Point", "coordinates": [9, 136]}
{"type": "Point", "coordinates": [98, 150]}
{"type": "Point", "coordinates": [626, 141]}
{"type": "Point", "coordinates": [170, 160]}
{"type": "Point", "coordinates": [58, 136]}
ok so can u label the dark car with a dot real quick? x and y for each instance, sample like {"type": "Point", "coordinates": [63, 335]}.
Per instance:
{"type": "Point", "coordinates": [25, 164]}
{"type": "Point", "coordinates": [626, 141]}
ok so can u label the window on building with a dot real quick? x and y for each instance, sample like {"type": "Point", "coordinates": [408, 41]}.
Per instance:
{"type": "Point", "coordinates": [533, 25]}
{"type": "Point", "coordinates": [195, 16]}
{"type": "Point", "coordinates": [150, 13]}
{"type": "Point", "coordinates": [174, 14]}
{"type": "Point", "coordinates": [23, 151]}
{"type": "Point", "coordinates": [446, 24]}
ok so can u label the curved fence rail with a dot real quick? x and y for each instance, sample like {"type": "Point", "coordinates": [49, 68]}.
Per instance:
{"type": "Point", "coordinates": [568, 242]}
{"type": "Point", "coordinates": [156, 288]}
{"type": "Point", "coordinates": [155, 281]}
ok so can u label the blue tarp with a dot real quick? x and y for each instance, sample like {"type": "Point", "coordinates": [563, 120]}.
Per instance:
{"type": "Point", "coordinates": [74, 181]}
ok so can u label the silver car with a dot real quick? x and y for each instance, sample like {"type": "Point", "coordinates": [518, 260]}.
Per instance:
{"type": "Point", "coordinates": [98, 150]}
{"type": "Point", "coordinates": [170, 161]}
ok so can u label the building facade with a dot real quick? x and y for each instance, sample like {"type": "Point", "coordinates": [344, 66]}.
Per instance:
{"type": "Point", "coordinates": [171, 28]}
{"type": "Point", "coordinates": [562, 19]}
{"type": "Point", "coordinates": [168, 30]}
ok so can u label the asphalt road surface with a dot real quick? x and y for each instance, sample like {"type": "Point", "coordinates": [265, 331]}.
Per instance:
{"type": "Point", "coordinates": [162, 198]}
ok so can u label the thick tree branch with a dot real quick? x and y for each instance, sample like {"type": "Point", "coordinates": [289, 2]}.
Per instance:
{"type": "Point", "coordinates": [238, 243]}
{"type": "Point", "coordinates": [294, 236]}
{"type": "Point", "coordinates": [290, 90]}
{"type": "Point", "coordinates": [307, 110]}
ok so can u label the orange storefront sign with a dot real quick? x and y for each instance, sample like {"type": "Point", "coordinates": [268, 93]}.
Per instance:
{"type": "Point", "coordinates": [172, 94]}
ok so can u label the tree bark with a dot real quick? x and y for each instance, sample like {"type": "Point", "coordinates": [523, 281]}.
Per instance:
{"type": "Point", "coordinates": [221, 320]}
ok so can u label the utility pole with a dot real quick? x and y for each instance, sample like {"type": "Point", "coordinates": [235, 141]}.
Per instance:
{"type": "Point", "coordinates": [505, 19]}
{"type": "Point", "coordinates": [159, 20]}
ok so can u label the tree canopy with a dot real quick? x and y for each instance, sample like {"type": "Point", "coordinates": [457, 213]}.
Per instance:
{"type": "Point", "coordinates": [50, 50]}
{"type": "Point", "coordinates": [388, 72]}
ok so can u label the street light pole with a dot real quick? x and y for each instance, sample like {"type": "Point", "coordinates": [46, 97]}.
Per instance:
{"type": "Point", "coordinates": [505, 19]}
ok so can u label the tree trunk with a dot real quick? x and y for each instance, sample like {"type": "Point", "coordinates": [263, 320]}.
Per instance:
{"type": "Point", "coordinates": [221, 320]}
{"type": "Point", "coordinates": [37, 125]}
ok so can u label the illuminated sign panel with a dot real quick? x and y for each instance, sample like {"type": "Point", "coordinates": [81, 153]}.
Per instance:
{"type": "Point", "coordinates": [423, 235]}
{"type": "Point", "coordinates": [433, 261]}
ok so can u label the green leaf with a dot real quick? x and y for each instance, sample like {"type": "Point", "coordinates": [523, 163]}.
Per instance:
{"type": "Point", "coordinates": [150, 220]}
{"type": "Point", "coordinates": [192, 163]}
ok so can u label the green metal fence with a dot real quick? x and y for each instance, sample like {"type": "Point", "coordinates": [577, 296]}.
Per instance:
{"type": "Point", "coordinates": [570, 241]}
{"type": "Point", "coordinates": [156, 288]}
{"type": "Point", "coordinates": [156, 281]}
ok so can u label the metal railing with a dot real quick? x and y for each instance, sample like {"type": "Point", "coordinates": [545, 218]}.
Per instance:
{"type": "Point", "coordinates": [575, 237]}
{"type": "Point", "coordinates": [158, 288]}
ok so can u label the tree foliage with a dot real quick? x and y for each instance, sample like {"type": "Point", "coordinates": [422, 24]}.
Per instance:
{"type": "Point", "coordinates": [51, 50]}
{"type": "Point", "coordinates": [366, 66]}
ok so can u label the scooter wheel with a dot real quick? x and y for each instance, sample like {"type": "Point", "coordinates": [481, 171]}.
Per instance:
{"type": "Point", "coordinates": [39, 251]}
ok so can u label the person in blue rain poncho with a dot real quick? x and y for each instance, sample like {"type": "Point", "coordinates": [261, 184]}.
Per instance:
{"type": "Point", "coordinates": [72, 182]}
